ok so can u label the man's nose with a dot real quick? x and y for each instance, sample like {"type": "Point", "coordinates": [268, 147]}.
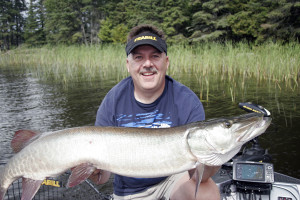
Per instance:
{"type": "Point", "coordinates": [147, 63]}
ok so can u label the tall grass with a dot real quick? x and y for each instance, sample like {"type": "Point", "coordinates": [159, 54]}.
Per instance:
{"type": "Point", "coordinates": [279, 63]}
{"type": "Point", "coordinates": [271, 61]}
{"type": "Point", "coordinates": [69, 63]}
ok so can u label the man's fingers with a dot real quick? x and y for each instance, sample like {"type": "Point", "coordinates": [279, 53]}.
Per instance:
{"type": "Point", "coordinates": [97, 171]}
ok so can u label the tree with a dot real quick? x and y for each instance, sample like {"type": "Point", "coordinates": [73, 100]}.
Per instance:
{"type": "Point", "coordinates": [89, 13]}
{"type": "Point", "coordinates": [94, 21]}
{"type": "Point", "coordinates": [119, 33]}
{"type": "Point", "coordinates": [34, 28]}
{"type": "Point", "coordinates": [74, 21]}
{"type": "Point", "coordinates": [114, 16]}
{"type": "Point", "coordinates": [259, 20]}
{"type": "Point", "coordinates": [283, 21]}
{"type": "Point", "coordinates": [61, 22]}
{"type": "Point", "coordinates": [11, 22]}
{"type": "Point", "coordinates": [6, 7]}
{"type": "Point", "coordinates": [209, 20]}
{"type": "Point", "coordinates": [174, 18]}
{"type": "Point", "coordinates": [170, 16]}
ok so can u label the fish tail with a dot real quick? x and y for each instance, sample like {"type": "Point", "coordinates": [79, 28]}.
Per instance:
{"type": "Point", "coordinates": [2, 190]}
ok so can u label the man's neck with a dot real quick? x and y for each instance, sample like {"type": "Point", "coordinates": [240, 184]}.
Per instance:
{"type": "Point", "coordinates": [147, 97]}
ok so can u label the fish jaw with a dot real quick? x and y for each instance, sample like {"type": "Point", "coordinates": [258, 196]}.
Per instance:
{"type": "Point", "coordinates": [217, 141]}
{"type": "Point", "coordinates": [256, 130]}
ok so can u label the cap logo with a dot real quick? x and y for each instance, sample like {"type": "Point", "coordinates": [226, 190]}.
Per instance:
{"type": "Point", "coordinates": [145, 38]}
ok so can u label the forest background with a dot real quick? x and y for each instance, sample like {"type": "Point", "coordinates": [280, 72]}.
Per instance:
{"type": "Point", "coordinates": [41, 22]}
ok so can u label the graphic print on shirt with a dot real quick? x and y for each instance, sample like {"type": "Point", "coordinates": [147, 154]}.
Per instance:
{"type": "Point", "coordinates": [147, 120]}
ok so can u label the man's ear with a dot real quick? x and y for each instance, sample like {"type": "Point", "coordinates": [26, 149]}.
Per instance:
{"type": "Point", "coordinates": [168, 62]}
{"type": "Point", "coordinates": [127, 64]}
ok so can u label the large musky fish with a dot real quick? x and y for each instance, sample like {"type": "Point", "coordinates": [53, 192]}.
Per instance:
{"type": "Point", "coordinates": [136, 152]}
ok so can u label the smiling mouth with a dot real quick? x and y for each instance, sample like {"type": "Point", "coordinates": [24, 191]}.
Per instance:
{"type": "Point", "coordinates": [148, 73]}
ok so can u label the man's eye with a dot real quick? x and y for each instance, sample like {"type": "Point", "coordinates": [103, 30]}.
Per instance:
{"type": "Point", "coordinates": [138, 57]}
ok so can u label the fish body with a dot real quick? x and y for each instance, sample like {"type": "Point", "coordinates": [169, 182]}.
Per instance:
{"type": "Point", "coordinates": [134, 152]}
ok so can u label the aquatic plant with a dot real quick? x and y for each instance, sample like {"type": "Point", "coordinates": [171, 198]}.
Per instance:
{"type": "Point", "coordinates": [275, 62]}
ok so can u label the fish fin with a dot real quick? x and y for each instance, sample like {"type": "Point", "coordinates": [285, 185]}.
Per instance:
{"type": "Point", "coordinates": [199, 174]}
{"type": "Point", "coordinates": [80, 173]}
{"type": "Point", "coordinates": [30, 188]}
{"type": "Point", "coordinates": [22, 138]}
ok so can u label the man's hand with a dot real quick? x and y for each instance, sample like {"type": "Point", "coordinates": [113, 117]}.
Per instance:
{"type": "Point", "coordinates": [209, 171]}
{"type": "Point", "coordinates": [100, 176]}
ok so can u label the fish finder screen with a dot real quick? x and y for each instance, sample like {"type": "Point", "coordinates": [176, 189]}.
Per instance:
{"type": "Point", "coordinates": [250, 171]}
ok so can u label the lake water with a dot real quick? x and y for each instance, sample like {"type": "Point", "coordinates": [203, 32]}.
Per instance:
{"type": "Point", "coordinates": [29, 103]}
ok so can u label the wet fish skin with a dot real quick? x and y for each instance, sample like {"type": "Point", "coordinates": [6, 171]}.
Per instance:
{"type": "Point", "coordinates": [136, 152]}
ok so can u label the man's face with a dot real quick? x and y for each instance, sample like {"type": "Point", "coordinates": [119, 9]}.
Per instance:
{"type": "Point", "coordinates": [147, 67]}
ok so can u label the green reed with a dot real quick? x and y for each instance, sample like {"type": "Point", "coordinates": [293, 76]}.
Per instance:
{"type": "Point", "coordinates": [69, 63]}
{"type": "Point", "coordinates": [279, 63]}
{"type": "Point", "coordinates": [271, 61]}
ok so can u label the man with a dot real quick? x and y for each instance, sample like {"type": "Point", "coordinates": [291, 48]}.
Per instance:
{"type": "Point", "coordinates": [150, 98]}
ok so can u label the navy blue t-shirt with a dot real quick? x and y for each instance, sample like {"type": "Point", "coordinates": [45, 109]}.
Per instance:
{"type": "Point", "coordinates": [178, 105]}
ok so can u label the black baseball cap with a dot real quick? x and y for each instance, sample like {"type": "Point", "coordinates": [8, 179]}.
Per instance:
{"type": "Point", "coordinates": [144, 39]}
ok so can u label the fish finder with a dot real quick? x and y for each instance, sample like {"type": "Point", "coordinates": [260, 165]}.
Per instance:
{"type": "Point", "coordinates": [249, 171]}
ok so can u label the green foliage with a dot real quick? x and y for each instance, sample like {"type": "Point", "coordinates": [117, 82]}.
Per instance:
{"type": "Point", "coordinates": [243, 24]}
{"type": "Point", "coordinates": [61, 22]}
{"type": "Point", "coordinates": [11, 23]}
{"type": "Point", "coordinates": [209, 21]}
{"type": "Point", "coordinates": [183, 21]}
{"type": "Point", "coordinates": [65, 19]}
{"type": "Point", "coordinates": [34, 28]}
{"type": "Point", "coordinates": [110, 33]}
{"type": "Point", "coordinates": [119, 33]}
{"type": "Point", "coordinates": [273, 61]}
{"type": "Point", "coordinates": [105, 30]}
{"type": "Point", "coordinates": [175, 19]}
{"type": "Point", "coordinates": [254, 20]}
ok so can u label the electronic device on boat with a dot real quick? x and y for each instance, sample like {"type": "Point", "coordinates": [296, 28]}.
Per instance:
{"type": "Point", "coordinates": [250, 175]}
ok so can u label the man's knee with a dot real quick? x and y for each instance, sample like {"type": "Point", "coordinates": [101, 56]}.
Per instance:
{"type": "Point", "coordinates": [208, 191]}
{"type": "Point", "coordinates": [186, 188]}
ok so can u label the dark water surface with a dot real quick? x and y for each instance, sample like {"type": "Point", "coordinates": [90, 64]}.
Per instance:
{"type": "Point", "coordinates": [29, 103]}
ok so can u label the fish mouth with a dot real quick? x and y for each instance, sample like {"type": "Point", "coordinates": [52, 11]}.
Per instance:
{"type": "Point", "coordinates": [254, 129]}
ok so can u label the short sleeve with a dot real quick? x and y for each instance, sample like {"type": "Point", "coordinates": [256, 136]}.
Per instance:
{"type": "Point", "coordinates": [104, 115]}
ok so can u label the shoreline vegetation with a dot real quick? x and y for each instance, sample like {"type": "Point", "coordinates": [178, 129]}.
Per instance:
{"type": "Point", "coordinates": [273, 62]}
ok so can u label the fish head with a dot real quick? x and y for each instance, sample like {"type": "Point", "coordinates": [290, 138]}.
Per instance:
{"type": "Point", "coordinates": [216, 141]}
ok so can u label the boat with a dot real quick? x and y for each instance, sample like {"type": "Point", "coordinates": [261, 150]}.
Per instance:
{"type": "Point", "coordinates": [250, 175]}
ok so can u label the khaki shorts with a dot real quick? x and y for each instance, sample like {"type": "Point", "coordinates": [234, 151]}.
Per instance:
{"type": "Point", "coordinates": [161, 191]}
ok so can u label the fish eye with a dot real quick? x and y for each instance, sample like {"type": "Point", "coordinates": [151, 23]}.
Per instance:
{"type": "Point", "coordinates": [227, 124]}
